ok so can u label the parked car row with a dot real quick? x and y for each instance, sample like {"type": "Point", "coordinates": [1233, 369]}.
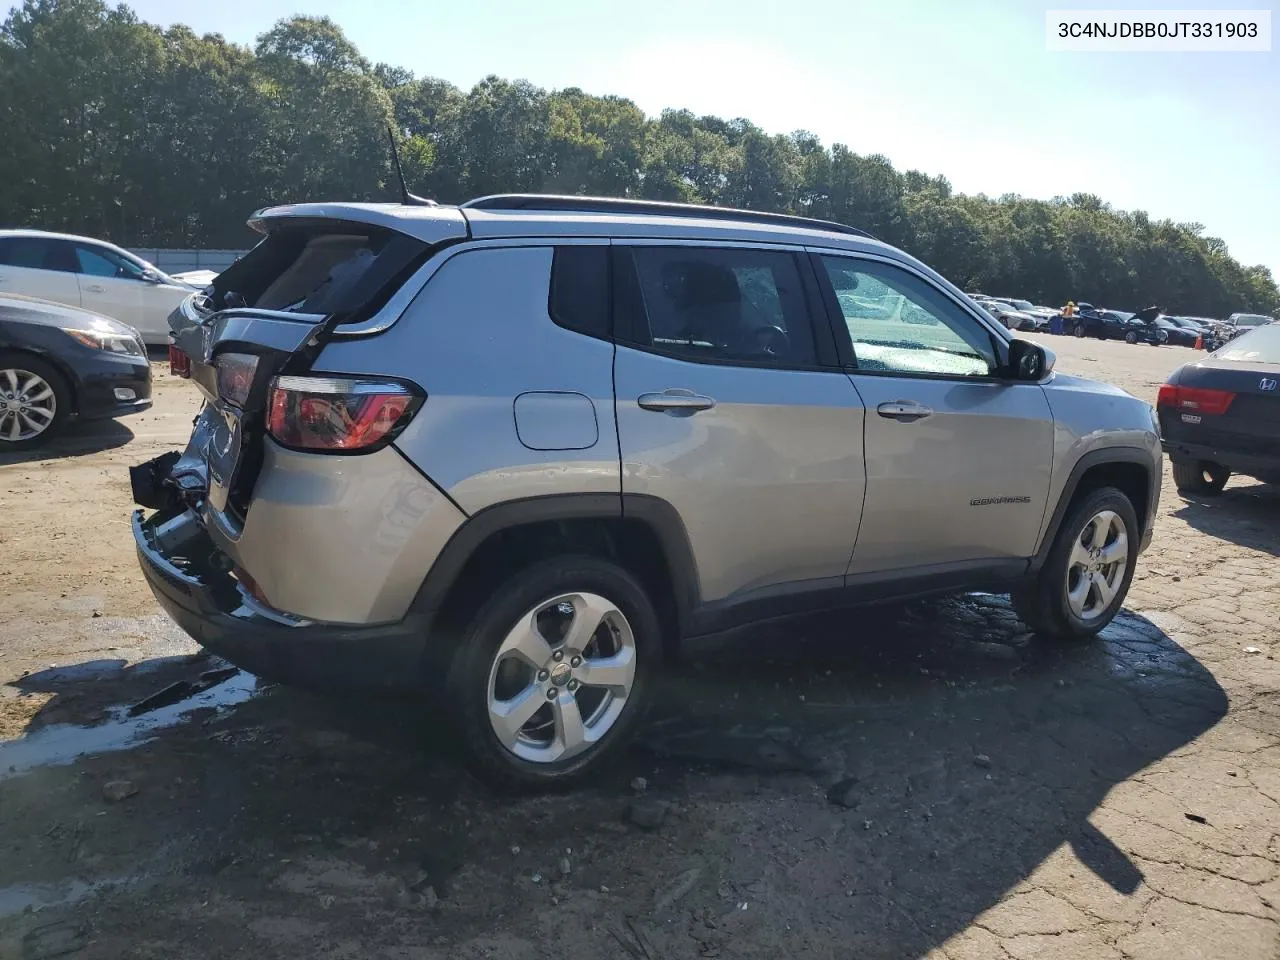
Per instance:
{"type": "Point", "coordinates": [1016, 314]}
{"type": "Point", "coordinates": [1148, 326]}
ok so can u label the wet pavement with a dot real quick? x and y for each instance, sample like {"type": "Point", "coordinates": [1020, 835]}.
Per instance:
{"type": "Point", "coordinates": [921, 780]}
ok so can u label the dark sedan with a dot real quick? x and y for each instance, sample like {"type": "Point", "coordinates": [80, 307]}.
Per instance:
{"type": "Point", "coordinates": [57, 362]}
{"type": "Point", "coordinates": [1178, 335]}
{"type": "Point", "coordinates": [1103, 324]}
{"type": "Point", "coordinates": [1221, 415]}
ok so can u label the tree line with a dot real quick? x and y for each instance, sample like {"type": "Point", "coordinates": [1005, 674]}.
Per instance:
{"type": "Point", "coordinates": [161, 138]}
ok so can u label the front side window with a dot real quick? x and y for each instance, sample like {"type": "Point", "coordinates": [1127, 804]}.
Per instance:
{"type": "Point", "coordinates": [900, 324]}
{"type": "Point", "coordinates": [721, 304]}
{"type": "Point", "coordinates": [101, 262]}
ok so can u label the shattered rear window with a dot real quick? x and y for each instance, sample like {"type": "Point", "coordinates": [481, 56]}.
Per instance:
{"type": "Point", "coordinates": [319, 269]}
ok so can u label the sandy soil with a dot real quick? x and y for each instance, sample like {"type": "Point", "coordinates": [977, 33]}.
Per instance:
{"type": "Point", "coordinates": [920, 781]}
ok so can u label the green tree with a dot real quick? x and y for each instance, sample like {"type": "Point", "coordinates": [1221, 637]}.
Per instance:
{"type": "Point", "coordinates": [160, 137]}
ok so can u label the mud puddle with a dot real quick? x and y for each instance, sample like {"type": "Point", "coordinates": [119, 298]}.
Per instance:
{"type": "Point", "coordinates": [59, 744]}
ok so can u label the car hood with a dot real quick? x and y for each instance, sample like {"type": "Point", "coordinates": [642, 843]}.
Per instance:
{"type": "Point", "coordinates": [1066, 381]}
{"type": "Point", "coordinates": [196, 279]}
{"type": "Point", "coordinates": [19, 309]}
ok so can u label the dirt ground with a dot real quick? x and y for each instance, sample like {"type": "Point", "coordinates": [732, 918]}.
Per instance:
{"type": "Point", "coordinates": [916, 781]}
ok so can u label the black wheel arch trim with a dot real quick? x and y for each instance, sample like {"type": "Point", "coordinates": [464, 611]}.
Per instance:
{"type": "Point", "coordinates": [1096, 458]}
{"type": "Point", "coordinates": [659, 516]}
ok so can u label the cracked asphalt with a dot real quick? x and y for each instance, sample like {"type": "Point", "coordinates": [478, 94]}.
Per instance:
{"type": "Point", "coordinates": [917, 781]}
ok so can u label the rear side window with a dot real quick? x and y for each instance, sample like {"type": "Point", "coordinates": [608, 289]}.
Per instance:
{"type": "Point", "coordinates": [348, 269]}
{"type": "Point", "coordinates": [579, 297]}
{"type": "Point", "coordinates": [719, 304]}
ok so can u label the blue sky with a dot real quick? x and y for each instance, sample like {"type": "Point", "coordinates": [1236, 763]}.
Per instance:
{"type": "Point", "coordinates": [963, 89]}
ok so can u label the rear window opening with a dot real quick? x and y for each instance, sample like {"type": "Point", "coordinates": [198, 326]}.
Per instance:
{"type": "Point", "coordinates": [320, 269]}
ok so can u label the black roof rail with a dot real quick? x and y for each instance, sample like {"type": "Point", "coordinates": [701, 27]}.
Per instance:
{"type": "Point", "coordinates": [577, 204]}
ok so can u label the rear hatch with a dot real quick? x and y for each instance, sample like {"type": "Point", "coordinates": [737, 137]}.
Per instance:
{"type": "Point", "coordinates": [269, 315]}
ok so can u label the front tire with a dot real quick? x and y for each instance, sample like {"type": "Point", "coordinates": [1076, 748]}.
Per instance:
{"type": "Point", "coordinates": [1087, 574]}
{"type": "Point", "coordinates": [554, 673]}
{"type": "Point", "coordinates": [1130, 337]}
{"type": "Point", "coordinates": [1078, 330]}
{"type": "Point", "coordinates": [1199, 477]}
{"type": "Point", "coordinates": [35, 402]}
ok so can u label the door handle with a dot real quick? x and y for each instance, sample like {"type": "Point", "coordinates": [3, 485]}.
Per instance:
{"type": "Point", "coordinates": [95, 288]}
{"type": "Point", "coordinates": [677, 402]}
{"type": "Point", "coordinates": [904, 411]}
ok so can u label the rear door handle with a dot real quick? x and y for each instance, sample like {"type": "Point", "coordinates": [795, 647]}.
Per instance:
{"type": "Point", "coordinates": [675, 401]}
{"type": "Point", "coordinates": [904, 411]}
{"type": "Point", "coordinates": [95, 288]}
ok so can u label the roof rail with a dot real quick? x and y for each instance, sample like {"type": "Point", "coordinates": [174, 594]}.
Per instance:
{"type": "Point", "coordinates": [577, 204]}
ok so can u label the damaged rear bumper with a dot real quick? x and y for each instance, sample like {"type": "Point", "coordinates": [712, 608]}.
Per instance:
{"type": "Point", "coordinates": [191, 580]}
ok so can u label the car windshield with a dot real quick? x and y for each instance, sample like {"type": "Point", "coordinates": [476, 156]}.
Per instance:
{"type": "Point", "coordinates": [1261, 345]}
{"type": "Point", "coordinates": [1023, 304]}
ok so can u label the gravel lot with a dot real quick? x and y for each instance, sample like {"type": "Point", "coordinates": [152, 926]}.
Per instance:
{"type": "Point", "coordinates": [917, 781]}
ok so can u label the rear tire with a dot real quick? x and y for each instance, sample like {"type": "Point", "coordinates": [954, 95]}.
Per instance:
{"type": "Point", "coordinates": [1086, 577]}
{"type": "Point", "coordinates": [532, 710]}
{"type": "Point", "coordinates": [39, 420]}
{"type": "Point", "coordinates": [1199, 477]}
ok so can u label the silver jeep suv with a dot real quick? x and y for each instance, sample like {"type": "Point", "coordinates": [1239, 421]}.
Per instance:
{"type": "Point", "coordinates": [525, 448]}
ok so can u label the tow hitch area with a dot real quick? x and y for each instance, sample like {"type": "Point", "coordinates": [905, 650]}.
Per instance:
{"type": "Point", "coordinates": [149, 482]}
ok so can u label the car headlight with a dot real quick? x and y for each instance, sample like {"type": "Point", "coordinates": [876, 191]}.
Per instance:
{"type": "Point", "coordinates": [125, 343]}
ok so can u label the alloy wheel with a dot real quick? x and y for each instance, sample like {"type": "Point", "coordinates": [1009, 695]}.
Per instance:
{"type": "Point", "coordinates": [561, 677]}
{"type": "Point", "coordinates": [1097, 564]}
{"type": "Point", "coordinates": [28, 405]}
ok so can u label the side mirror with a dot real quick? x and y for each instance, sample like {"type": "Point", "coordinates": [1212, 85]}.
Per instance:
{"type": "Point", "coordinates": [151, 275]}
{"type": "Point", "coordinates": [1028, 361]}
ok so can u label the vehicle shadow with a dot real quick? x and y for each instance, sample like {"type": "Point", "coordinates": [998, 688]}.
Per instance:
{"type": "Point", "coordinates": [876, 780]}
{"type": "Point", "coordinates": [1246, 514]}
{"type": "Point", "coordinates": [80, 437]}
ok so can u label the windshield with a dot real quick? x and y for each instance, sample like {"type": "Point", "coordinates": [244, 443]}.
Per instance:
{"type": "Point", "coordinates": [1023, 304]}
{"type": "Point", "coordinates": [1261, 345]}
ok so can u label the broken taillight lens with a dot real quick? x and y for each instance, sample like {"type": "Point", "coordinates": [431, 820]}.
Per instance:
{"type": "Point", "coordinates": [179, 362]}
{"type": "Point", "coordinates": [341, 415]}
{"type": "Point", "coordinates": [235, 376]}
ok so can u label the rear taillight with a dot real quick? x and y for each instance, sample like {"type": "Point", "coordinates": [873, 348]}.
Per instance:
{"type": "Point", "coordinates": [1195, 399]}
{"type": "Point", "coordinates": [347, 415]}
{"type": "Point", "coordinates": [179, 362]}
{"type": "Point", "coordinates": [235, 376]}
